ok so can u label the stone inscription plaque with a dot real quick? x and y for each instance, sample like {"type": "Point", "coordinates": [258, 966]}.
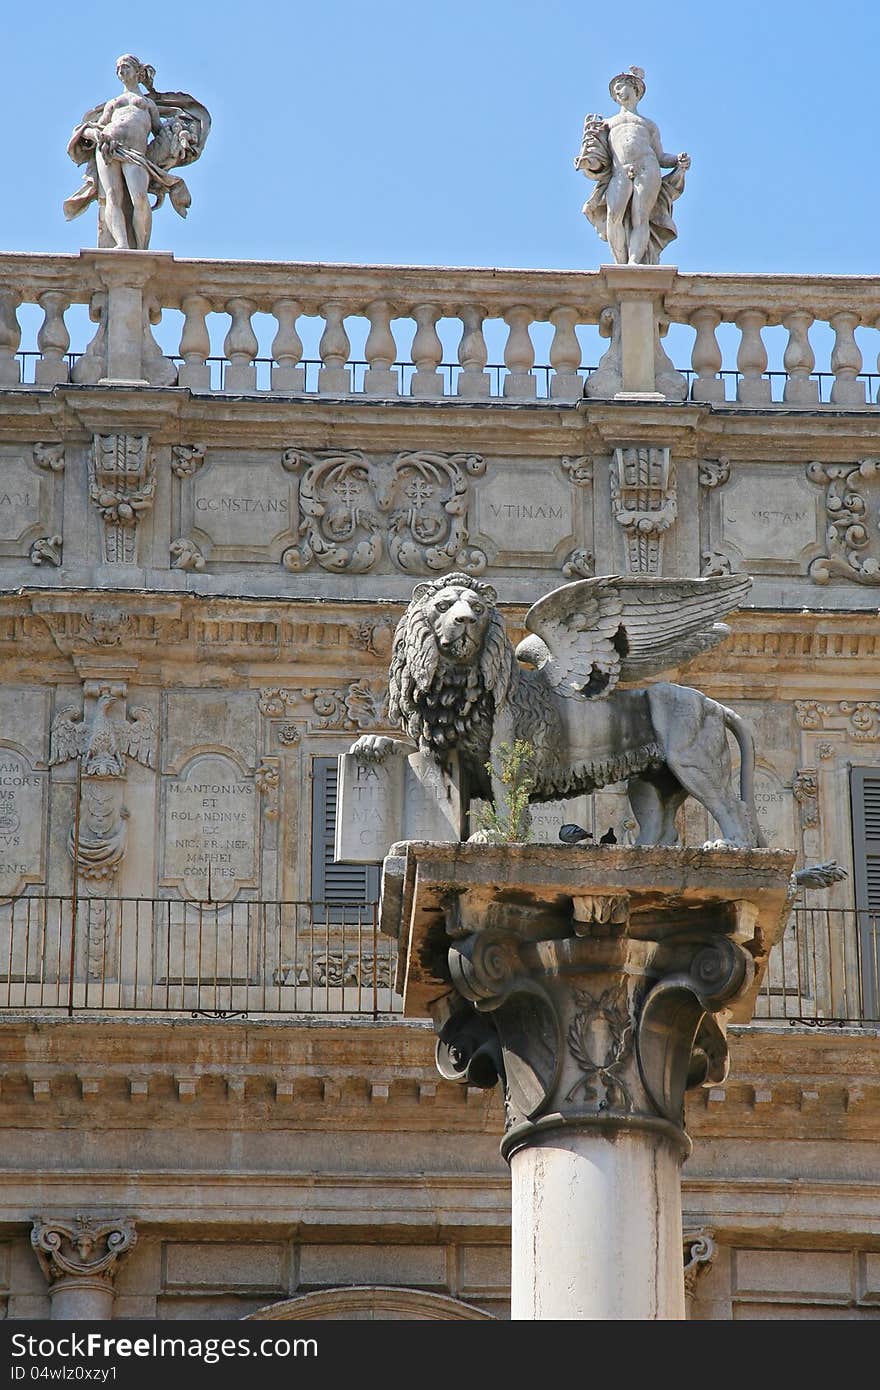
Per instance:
{"type": "Point", "coordinates": [525, 511]}
{"type": "Point", "coordinates": [211, 823]}
{"type": "Point", "coordinates": [21, 823]}
{"type": "Point", "coordinates": [243, 506]}
{"type": "Point", "coordinates": [769, 516]}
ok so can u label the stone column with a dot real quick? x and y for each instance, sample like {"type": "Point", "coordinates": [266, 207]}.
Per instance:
{"type": "Point", "coordinates": [595, 984]}
{"type": "Point", "coordinates": [79, 1259]}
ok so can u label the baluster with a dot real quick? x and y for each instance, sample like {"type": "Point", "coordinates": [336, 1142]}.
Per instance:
{"type": "Point", "coordinates": [240, 346]}
{"type": "Point", "coordinates": [195, 344]}
{"type": "Point", "coordinates": [519, 354]}
{"type": "Point", "coordinates": [565, 356]}
{"type": "Point", "coordinates": [53, 340]}
{"type": "Point", "coordinates": [334, 347]}
{"type": "Point", "coordinates": [10, 337]}
{"type": "Point", "coordinates": [846, 361]}
{"type": "Point", "coordinates": [380, 351]}
{"type": "Point", "coordinates": [706, 357]}
{"type": "Point", "coordinates": [287, 348]}
{"type": "Point", "coordinates": [751, 360]}
{"type": "Point", "coordinates": [799, 360]}
{"type": "Point", "coordinates": [427, 352]}
{"type": "Point", "coordinates": [472, 354]}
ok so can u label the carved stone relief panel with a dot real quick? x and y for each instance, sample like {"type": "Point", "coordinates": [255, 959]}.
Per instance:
{"type": "Point", "coordinates": [238, 506]}
{"type": "Point", "coordinates": [534, 512]}
{"type": "Point", "coordinates": [358, 512]}
{"type": "Point", "coordinates": [30, 501]}
{"type": "Point", "coordinates": [852, 516]}
{"type": "Point", "coordinates": [763, 520]}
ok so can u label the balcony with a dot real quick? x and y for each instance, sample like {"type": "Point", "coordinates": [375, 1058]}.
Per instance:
{"type": "Point", "coordinates": [273, 959]}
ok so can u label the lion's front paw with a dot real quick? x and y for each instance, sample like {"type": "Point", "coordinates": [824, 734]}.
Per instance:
{"type": "Point", "coordinates": [722, 844]}
{"type": "Point", "coordinates": [373, 748]}
{"type": "Point", "coordinates": [486, 837]}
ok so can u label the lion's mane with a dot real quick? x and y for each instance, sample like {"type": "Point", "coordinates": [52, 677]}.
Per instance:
{"type": "Point", "coordinates": [443, 706]}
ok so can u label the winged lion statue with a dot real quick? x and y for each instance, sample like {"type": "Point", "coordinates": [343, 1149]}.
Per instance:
{"type": "Point", "coordinates": [570, 690]}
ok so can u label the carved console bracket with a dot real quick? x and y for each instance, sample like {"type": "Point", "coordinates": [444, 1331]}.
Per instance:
{"type": "Point", "coordinates": [121, 486]}
{"type": "Point", "coordinates": [644, 504]}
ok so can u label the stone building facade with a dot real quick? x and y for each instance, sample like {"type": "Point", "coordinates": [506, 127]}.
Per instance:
{"type": "Point", "coordinates": [210, 1106]}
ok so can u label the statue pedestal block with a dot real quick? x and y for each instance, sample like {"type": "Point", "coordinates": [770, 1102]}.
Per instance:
{"type": "Point", "coordinates": [595, 984]}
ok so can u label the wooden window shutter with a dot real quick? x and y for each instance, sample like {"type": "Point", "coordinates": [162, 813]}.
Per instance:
{"type": "Point", "coordinates": [865, 792]}
{"type": "Point", "coordinates": [334, 883]}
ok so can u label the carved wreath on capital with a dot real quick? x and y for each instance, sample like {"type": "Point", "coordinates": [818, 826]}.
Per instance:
{"type": "Point", "coordinates": [352, 507]}
{"type": "Point", "coordinates": [601, 1024]}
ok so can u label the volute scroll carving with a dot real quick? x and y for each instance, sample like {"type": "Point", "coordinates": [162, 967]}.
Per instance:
{"type": "Point", "coordinates": [85, 1247]}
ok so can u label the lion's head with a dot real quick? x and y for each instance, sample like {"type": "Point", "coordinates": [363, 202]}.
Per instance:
{"type": "Point", "coordinates": [451, 664]}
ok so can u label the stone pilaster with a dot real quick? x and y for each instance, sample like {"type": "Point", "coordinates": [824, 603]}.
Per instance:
{"type": "Point", "coordinates": [80, 1258]}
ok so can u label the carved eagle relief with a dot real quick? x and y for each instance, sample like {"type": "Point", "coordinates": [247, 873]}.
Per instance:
{"type": "Point", "coordinates": [103, 741]}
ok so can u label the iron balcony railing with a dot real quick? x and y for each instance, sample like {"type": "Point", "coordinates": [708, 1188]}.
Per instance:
{"type": "Point", "coordinates": [251, 958]}
{"type": "Point", "coordinates": [146, 955]}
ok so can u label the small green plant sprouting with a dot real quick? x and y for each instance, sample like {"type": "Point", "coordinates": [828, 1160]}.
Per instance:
{"type": "Point", "coordinates": [511, 824]}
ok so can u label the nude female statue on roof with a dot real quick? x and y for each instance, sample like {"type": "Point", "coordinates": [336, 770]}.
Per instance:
{"type": "Point", "coordinates": [128, 145]}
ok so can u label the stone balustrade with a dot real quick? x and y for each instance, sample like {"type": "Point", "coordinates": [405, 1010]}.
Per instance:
{"type": "Point", "coordinates": [489, 316]}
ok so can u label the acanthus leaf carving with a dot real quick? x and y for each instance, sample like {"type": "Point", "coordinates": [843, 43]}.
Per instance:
{"type": "Point", "coordinates": [852, 507]}
{"type": "Point", "coordinates": [187, 459]}
{"type": "Point", "coordinates": [46, 550]}
{"type": "Point", "coordinates": [267, 780]}
{"type": "Point", "coordinates": [643, 500]}
{"type": "Point", "coordinates": [579, 470]}
{"type": "Point", "coordinates": [186, 555]}
{"type": "Point", "coordinates": [49, 457]}
{"type": "Point", "coordinates": [353, 506]}
{"type": "Point", "coordinates": [810, 714]}
{"type": "Point", "coordinates": [805, 789]}
{"type": "Point", "coordinates": [579, 564]}
{"type": "Point", "coordinates": [715, 564]}
{"type": "Point", "coordinates": [713, 472]}
{"type": "Point", "coordinates": [698, 1252]}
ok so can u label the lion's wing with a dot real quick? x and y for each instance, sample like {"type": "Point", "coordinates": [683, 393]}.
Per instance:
{"type": "Point", "coordinates": [580, 625]}
{"type": "Point", "coordinates": [670, 621]}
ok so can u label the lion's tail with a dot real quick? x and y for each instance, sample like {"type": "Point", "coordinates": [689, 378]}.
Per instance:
{"type": "Point", "coordinates": [743, 735]}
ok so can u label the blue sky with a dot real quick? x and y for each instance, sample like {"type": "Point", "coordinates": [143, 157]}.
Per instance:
{"type": "Point", "coordinates": [445, 132]}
